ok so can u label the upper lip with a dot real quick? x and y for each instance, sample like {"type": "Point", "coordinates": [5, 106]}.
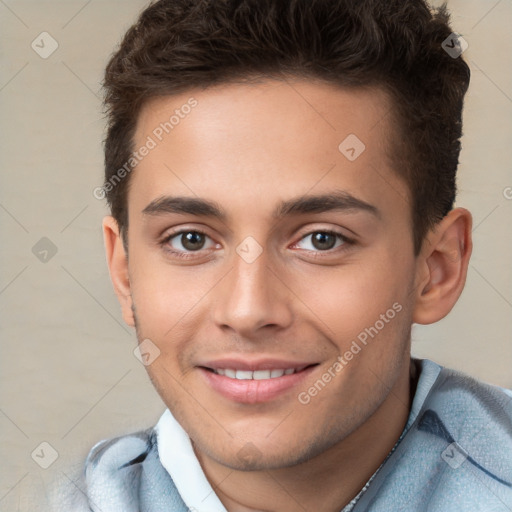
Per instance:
{"type": "Point", "coordinates": [255, 365]}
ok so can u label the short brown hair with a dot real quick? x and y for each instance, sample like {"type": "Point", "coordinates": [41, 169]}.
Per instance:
{"type": "Point", "coordinates": [177, 45]}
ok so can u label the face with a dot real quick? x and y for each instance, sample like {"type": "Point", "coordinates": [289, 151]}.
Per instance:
{"type": "Point", "coordinates": [271, 262]}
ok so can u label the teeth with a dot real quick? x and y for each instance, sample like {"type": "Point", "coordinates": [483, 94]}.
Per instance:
{"type": "Point", "coordinates": [261, 374]}
{"type": "Point", "coordinates": [243, 375]}
{"type": "Point", "coordinates": [256, 375]}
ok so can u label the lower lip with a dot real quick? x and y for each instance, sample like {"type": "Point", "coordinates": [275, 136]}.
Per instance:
{"type": "Point", "coordinates": [254, 391]}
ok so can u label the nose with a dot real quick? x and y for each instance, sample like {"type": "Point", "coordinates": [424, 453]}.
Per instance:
{"type": "Point", "coordinates": [252, 297]}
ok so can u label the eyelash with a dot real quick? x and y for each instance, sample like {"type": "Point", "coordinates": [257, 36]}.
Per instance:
{"type": "Point", "coordinates": [347, 242]}
{"type": "Point", "coordinates": [180, 254]}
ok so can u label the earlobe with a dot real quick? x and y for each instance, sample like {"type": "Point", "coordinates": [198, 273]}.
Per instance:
{"type": "Point", "coordinates": [442, 267]}
{"type": "Point", "coordinates": [117, 262]}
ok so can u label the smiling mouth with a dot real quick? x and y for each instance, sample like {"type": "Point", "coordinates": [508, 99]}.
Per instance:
{"type": "Point", "coordinates": [257, 374]}
{"type": "Point", "coordinates": [276, 373]}
{"type": "Point", "coordinates": [251, 386]}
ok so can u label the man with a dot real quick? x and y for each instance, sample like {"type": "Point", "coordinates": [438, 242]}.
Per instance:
{"type": "Point", "coordinates": [281, 177]}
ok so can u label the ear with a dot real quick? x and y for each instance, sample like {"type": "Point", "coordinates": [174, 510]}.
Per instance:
{"type": "Point", "coordinates": [442, 267]}
{"type": "Point", "coordinates": [117, 261]}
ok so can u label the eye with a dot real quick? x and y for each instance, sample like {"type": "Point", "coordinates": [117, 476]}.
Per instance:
{"type": "Point", "coordinates": [186, 241]}
{"type": "Point", "coordinates": [323, 241]}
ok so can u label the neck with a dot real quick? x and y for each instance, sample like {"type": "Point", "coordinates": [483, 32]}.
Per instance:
{"type": "Point", "coordinates": [327, 482]}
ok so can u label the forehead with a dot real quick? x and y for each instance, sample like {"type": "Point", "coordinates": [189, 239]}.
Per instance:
{"type": "Point", "coordinates": [259, 142]}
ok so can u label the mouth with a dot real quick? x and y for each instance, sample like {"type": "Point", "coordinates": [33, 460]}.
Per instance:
{"type": "Point", "coordinates": [248, 383]}
{"type": "Point", "coordinates": [231, 373]}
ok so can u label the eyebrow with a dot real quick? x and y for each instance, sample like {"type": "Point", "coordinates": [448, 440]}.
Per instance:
{"type": "Point", "coordinates": [333, 201]}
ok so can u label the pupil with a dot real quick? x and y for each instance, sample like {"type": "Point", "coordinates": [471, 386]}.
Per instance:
{"type": "Point", "coordinates": [324, 240]}
{"type": "Point", "coordinates": [192, 240]}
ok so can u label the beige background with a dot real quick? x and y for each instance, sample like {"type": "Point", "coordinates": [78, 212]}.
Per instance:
{"type": "Point", "coordinates": [68, 374]}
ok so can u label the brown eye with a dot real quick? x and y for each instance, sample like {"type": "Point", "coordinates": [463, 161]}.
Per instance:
{"type": "Point", "coordinates": [322, 241]}
{"type": "Point", "coordinates": [192, 240]}
{"type": "Point", "coordinates": [188, 241]}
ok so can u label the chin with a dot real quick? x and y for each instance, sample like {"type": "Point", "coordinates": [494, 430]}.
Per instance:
{"type": "Point", "coordinates": [251, 456]}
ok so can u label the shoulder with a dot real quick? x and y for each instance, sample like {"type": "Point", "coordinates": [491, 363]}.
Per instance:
{"type": "Point", "coordinates": [109, 479]}
{"type": "Point", "coordinates": [455, 455]}
{"type": "Point", "coordinates": [122, 451]}
{"type": "Point", "coordinates": [470, 414]}
{"type": "Point", "coordinates": [466, 425]}
{"type": "Point", "coordinates": [453, 393]}
{"type": "Point", "coordinates": [125, 473]}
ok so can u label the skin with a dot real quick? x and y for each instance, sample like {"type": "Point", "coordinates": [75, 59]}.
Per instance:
{"type": "Point", "coordinates": [248, 148]}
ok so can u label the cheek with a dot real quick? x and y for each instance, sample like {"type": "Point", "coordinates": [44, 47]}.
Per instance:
{"type": "Point", "coordinates": [347, 299]}
{"type": "Point", "coordinates": [165, 296]}
{"type": "Point", "coordinates": [170, 305]}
